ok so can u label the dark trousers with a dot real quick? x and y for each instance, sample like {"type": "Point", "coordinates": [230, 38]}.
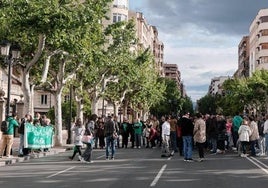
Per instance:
{"type": "Point", "coordinates": [180, 145]}
{"type": "Point", "coordinates": [244, 146]}
{"type": "Point", "coordinates": [253, 143]}
{"type": "Point", "coordinates": [124, 140]}
{"type": "Point", "coordinates": [88, 153]}
{"type": "Point", "coordinates": [77, 149]}
{"type": "Point", "coordinates": [200, 147]}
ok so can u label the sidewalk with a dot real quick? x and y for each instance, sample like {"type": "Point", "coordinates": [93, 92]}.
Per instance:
{"type": "Point", "coordinates": [15, 159]}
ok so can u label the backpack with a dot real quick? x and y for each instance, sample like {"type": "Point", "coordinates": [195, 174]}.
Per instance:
{"type": "Point", "coordinates": [4, 126]}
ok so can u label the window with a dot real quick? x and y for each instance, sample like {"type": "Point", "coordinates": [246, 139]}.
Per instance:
{"type": "Point", "coordinates": [121, 4]}
{"type": "Point", "coordinates": [264, 32]}
{"type": "Point", "coordinates": [264, 46]}
{"type": "Point", "coordinates": [43, 99]}
{"type": "Point", "coordinates": [119, 17]}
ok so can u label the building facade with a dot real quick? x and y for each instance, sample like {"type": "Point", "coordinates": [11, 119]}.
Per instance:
{"type": "Point", "coordinates": [258, 42]}
{"type": "Point", "coordinates": [243, 58]}
{"type": "Point", "coordinates": [215, 87]}
{"type": "Point", "coordinates": [171, 71]}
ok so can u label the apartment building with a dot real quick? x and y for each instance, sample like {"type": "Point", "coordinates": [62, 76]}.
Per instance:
{"type": "Point", "coordinates": [243, 58]}
{"type": "Point", "coordinates": [147, 36]}
{"type": "Point", "coordinates": [215, 87]}
{"type": "Point", "coordinates": [171, 71]}
{"type": "Point", "coordinates": [258, 42]}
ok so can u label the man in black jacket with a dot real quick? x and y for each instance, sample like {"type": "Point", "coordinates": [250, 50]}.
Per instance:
{"type": "Point", "coordinates": [109, 130]}
{"type": "Point", "coordinates": [187, 128]}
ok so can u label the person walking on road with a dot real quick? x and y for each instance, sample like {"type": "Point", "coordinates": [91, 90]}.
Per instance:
{"type": "Point", "coordinates": [187, 128]}
{"type": "Point", "coordinates": [78, 130]}
{"type": "Point", "coordinates": [87, 155]}
{"type": "Point", "coordinates": [200, 135]}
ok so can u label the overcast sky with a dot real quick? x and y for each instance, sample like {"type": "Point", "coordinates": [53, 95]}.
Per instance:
{"type": "Point", "coordinates": [201, 36]}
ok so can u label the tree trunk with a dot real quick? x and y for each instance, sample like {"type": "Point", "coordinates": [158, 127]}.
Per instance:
{"type": "Point", "coordinates": [80, 109]}
{"type": "Point", "coordinates": [94, 107]}
{"type": "Point", "coordinates": [27, 94]}
{"type": "Point", "coordinates": [58, 118]}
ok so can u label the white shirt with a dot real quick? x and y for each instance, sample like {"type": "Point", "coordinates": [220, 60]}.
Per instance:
{"type": "Point", "coordinates": [265, 127]}
{"type": "Point", "coordinates": [165, 129]}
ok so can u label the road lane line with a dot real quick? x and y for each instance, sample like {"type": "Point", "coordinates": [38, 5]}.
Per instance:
{"type": "Point", "coordinates": [256, 163]}
{"type": "Point", "coordinates": [60, 172]}
{"type": "Point", "coordinates": [158, 176]}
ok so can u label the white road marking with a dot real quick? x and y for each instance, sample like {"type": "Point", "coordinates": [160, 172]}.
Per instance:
{"type": "Point", "coordinates": [257, 162]}
{"type": "Point", "coordinates": [60, 172]}
{"type": "Point", "coordinates": [158, 176]}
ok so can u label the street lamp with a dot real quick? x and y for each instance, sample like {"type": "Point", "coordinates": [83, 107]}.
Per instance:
{"type": "Point", "coordinates": [71, 114]}
{"type": "Point", "coordinates": [9, 58]}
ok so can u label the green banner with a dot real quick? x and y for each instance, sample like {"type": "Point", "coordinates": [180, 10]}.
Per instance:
{"type": "Point", "coordinates": [36, 137]}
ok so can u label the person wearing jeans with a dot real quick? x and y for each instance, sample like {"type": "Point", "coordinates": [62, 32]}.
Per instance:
{"type": "Point", "coordinates": [187, 147]}
{"type": "Point", "coordinates": [187, 128]}
{"type": "Point", "coordinates": [109, 129]}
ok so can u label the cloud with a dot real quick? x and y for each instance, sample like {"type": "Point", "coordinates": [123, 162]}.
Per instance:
{"type": "Point", "coordinates": [201, 36]}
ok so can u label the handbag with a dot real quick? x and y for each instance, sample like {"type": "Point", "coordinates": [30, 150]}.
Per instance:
{"type": "Point", "coordinates": [86, 138]}
{"type": "Point", "coordinates": [115, 135]}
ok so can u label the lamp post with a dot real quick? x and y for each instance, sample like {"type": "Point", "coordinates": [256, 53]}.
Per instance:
{"type": "Point", "coordinates": [9, 58]}
{"type": "Point", "coordinates": [71, 114]}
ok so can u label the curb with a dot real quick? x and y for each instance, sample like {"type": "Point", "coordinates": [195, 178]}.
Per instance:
{"type": "Point", "coordinates": [8, 161]}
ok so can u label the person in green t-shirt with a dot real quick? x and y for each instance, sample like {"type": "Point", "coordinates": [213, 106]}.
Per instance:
{"type": "Point", "coordinates": [137, 132]}
{"type": "Point", "coordinates": [237, 121]}
{"type": "Point", "coordinates": [8, 137]}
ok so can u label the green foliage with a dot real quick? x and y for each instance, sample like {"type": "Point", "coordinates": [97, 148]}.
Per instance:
{"type": "Point", "coordinates": [171, 103]}
{"type": "Point", "coordinates": [187, 106]}
{"type": "Point", "coordinates": [239, 95]}
{"type": "Point", "coordinates": [207, 104]}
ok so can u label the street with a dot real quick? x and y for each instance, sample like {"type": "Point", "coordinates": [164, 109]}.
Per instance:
{"type": "Point", "coordinates": [137, 168]}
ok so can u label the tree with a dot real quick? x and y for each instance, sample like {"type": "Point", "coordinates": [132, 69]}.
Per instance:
{"type": "Point", "coordinates": [65, 30]}
{"type": "Point", "coordinates": [207, 104]}
{"type": "Point", "coordinates": [171, 102]}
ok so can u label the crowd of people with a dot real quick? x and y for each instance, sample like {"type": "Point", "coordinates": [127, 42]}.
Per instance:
{"type": "Point", "coordinates": [8, 136]}
{"type": "Point", "coordinates": [215, 134]}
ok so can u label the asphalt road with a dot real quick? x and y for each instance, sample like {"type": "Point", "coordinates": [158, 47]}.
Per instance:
{"type": "Point", "coordinates": [137, 168]}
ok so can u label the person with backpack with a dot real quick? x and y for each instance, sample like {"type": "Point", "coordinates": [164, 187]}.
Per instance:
{"type": "Point", "coordinates": [8, 135]}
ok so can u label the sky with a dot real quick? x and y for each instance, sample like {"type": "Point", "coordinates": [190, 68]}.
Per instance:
{"type": "Point", "coordinates": [200, 36]}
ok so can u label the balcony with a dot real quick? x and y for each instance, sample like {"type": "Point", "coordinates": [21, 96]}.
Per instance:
{"type": "Point", "coordinates": [262, 53]}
